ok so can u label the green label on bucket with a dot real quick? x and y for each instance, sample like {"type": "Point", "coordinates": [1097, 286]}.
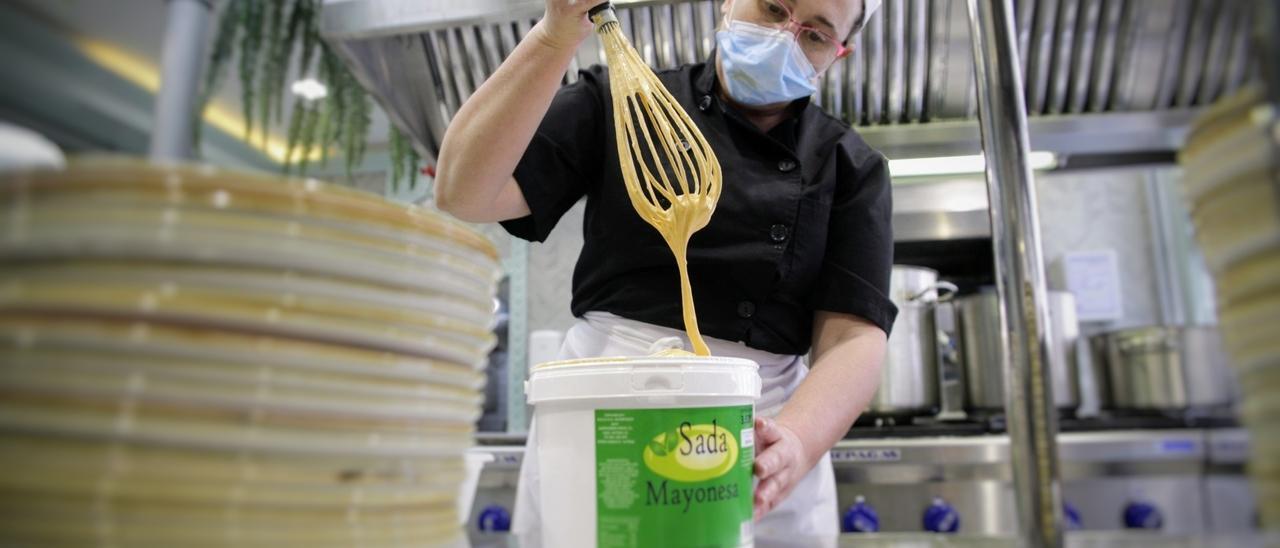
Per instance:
{"type": "Point", "coordinates": [674, 477]}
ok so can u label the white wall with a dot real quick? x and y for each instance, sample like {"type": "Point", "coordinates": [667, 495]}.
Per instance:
{"type": "Point", "coordinates": [1098, 210]}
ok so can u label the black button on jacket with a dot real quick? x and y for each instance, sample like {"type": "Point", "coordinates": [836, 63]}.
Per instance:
{"type": "Point", "coordinates": [803, 221]}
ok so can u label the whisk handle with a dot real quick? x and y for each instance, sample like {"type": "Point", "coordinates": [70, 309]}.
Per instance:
{"type": "Point", "coordinates": [602, 13]}
{"type": "Point", "coordinates": [599, 8]}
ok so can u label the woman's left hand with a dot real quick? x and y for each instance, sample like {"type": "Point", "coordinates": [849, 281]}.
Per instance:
{"type": "Point", "coordinates": [780, 464]}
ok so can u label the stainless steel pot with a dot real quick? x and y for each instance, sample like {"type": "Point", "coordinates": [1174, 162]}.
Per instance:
{"type": "Point", "coordinates": [980, 334]}
{"type": "Point", "coordinates": [1165, 368]}
{"type": "Point", "coordinates": [909, 284]}
{"type": "Point", "coordinates": [909, 376]}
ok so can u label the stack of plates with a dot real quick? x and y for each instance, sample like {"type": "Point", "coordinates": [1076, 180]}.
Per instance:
{"type": "Point", "coordinates": [195, 357]}
{"type": "Point", "coordinates": [1232, 183]}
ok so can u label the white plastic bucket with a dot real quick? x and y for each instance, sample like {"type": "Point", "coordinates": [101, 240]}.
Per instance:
{"type": "Point", "coordinates": [638, 452]}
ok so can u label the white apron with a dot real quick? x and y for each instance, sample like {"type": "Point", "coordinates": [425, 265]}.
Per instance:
{"type": "Point", "coordinates": [810, 510]}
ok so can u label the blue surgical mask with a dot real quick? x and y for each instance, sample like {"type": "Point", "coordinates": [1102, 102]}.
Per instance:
{"type": "Point", "coordinates": [762, 65]}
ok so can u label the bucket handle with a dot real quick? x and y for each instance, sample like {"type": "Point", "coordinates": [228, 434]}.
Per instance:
{"type": "Point", "coordinates": [946, 290]}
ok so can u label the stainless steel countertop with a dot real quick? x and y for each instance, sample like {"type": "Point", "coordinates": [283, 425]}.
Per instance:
{"type": "Point", "coordinates": [1077, 539]}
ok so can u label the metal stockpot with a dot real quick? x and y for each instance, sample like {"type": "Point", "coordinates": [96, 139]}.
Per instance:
{"type": "Point", "coordinates": [980, 334]}
{"type": "Point", "coordinates": [909, 376]}
{"type": "Point", "coordinates": [1165, 368]}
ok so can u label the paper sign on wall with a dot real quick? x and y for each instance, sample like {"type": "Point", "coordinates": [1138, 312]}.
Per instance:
{"type": "Point", "coordinates": [1094, 278]}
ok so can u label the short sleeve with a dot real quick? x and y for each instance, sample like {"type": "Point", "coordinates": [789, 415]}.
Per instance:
{"type": "Point", "coordinates": [564, 159]}
{"type": "Point", "coordinates": [858, 260]}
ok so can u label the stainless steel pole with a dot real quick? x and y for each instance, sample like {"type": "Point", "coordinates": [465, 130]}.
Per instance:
{"type": "Point", "coordinates": [181, 65]}
{"type": "Point", "coordinates": [1015, 234]}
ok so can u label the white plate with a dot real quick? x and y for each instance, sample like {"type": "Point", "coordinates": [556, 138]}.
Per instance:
{"type": "Point", "coordinates": [221, 189]}
{"type": "Point", "coordinates": [224, 349]}
{"type": "Point", "coordinates": [88, 235]}
{"type": "Point", "coordinates": [225, 311]}
{"type": "Point", "coordinates": [229, 433]}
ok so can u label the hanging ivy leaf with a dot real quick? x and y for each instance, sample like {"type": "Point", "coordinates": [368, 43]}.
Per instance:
{"type": "Point", "coordinates": [397, 152]}
{"type": "Point", "coordinates": [219, 55]}
{"type": "Point", "coordinates": [268, 35]}
{"type": "Point", "coordinates": [251, 19]}
{"type": "Point", "coordinates": [299, 14]}
{"type": "Point", "coordinates": [334, 105]}
{"type": "Point", "coordinates": [414, 161]}
{"type": "Point", "coordinates": [310, 34]}
{"type": "Point", "coordinates": [296, 119]}
{"type": "Point", "coordinates": [308, 138]}
{"type": "Point", "coordinates": [274, 64]}
{"type": "Point", "coordinates": [356, 126]}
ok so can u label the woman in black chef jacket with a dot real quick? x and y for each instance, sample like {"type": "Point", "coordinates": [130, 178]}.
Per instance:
{"type": "Point", "coordinates": [796, 257]}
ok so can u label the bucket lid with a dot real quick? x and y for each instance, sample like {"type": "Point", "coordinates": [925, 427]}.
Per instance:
{"type": "Point", "coordinates": [614, 378]}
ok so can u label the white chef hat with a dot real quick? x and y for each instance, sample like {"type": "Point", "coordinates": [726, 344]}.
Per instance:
{"type": "Point", "coordinates": [869, 8]}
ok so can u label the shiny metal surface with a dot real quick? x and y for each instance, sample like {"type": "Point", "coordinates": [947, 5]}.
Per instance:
{"type": "Point", "coordinates": [1074, 539]}
{"type": "Point", "coordinates": [1166, 368]}
{"type": "Point", "coordinates": [980, 345]}
{"type": "Point", "coordinates": [916, 283]}
{"type": "Point", "coordinates": [895, 41]}
{"type": "Point", "coordinates": [1086, 36]}
{"type": "Point", "coordinates": [909, 376]}
{"type": "Point", "coordinates": [1101, 473]}
{"type": "Point", "coordinates": [1056, 100]}
{"type": "Point", "coordinates": [1180, 471]}
{"type": "Point", "coordinates": [942, 209]}
{"type": "Point", "coordinates": [1102, 76]}
{"type": "Point", "coordinates": [1097, 134]}
{"type": "Point", "coordinates": [1015, 233]}
{"type": "Point", "coordinates": [1229, 497]}
{"type": "Point", "coordinates": [183, 61]}
{"type": "Point", "coordinates": [913, 64]}
{"type": "Point", "coordinates": [917, 58]}
{"type": "Point", "coordinates": [1040, 53]}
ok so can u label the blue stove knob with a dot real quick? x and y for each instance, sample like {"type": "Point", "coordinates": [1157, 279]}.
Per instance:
{"type": "Point", "coordinates": [1143, 515]}
{"type": "Point", "coordinates": [1071, 517]}
{"type": "Point", "coordinates": [940, 517]}
{"type": "Point", "coordinates": [494, 519]}
{"type": "Point", "coordinates": [860, 518]}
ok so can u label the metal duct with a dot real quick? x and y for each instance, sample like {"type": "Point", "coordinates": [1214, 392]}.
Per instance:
{"type": "Point", "coordinates": [912, 64]}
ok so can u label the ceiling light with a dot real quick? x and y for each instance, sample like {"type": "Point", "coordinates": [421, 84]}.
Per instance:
{"type": "Point", "coordinates": [310, 89]}
{"type": "Point", "coordinates": [956, 165]}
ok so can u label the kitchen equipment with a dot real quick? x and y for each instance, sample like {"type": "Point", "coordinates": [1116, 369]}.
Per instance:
{"type": "Point", "coordinates": [964, 482]}
{"type": "Point", "coordinates": [909, 375]}
{"type": "Point", "coordinates": [979, 319]}
{"type": "Point", "coordinates": [917, 284]}
{"type": "Point", "coordinates": [1166, 369]}
{"type": "Point", "coordinates": [681, 196]}
{"type": "Point", "coordinates": [913, 63]}
{"type": "Point", "coordinates": [649, 451]}
{"type": "Point", "coordinates": [474, 462]}
{"type": "Point", "coordinates": [1229, 496]}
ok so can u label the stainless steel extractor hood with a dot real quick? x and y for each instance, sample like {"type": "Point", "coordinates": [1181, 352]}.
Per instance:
{"type": "Point", "coordinates": [1101, 75]}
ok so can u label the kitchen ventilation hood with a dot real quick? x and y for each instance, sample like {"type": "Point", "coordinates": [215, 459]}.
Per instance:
{"type": "Point", "coordinates": [1102, 76]}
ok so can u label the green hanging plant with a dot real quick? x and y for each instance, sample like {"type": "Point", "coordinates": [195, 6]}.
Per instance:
{"type": "Point", "coordinates": [268, 35]}
{"type": "Point", "coordinates": [404, 160]}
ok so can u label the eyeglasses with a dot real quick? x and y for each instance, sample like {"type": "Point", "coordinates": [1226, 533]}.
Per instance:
{"type": "Point", "coordinates": [818, 45]}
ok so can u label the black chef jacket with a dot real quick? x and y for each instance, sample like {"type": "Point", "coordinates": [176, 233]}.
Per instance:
{"type": "Point", "coordinates": [803, 221]}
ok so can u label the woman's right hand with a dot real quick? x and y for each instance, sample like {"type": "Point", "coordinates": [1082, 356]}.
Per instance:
{"type": "Point", "coordinates": [565, 24]}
